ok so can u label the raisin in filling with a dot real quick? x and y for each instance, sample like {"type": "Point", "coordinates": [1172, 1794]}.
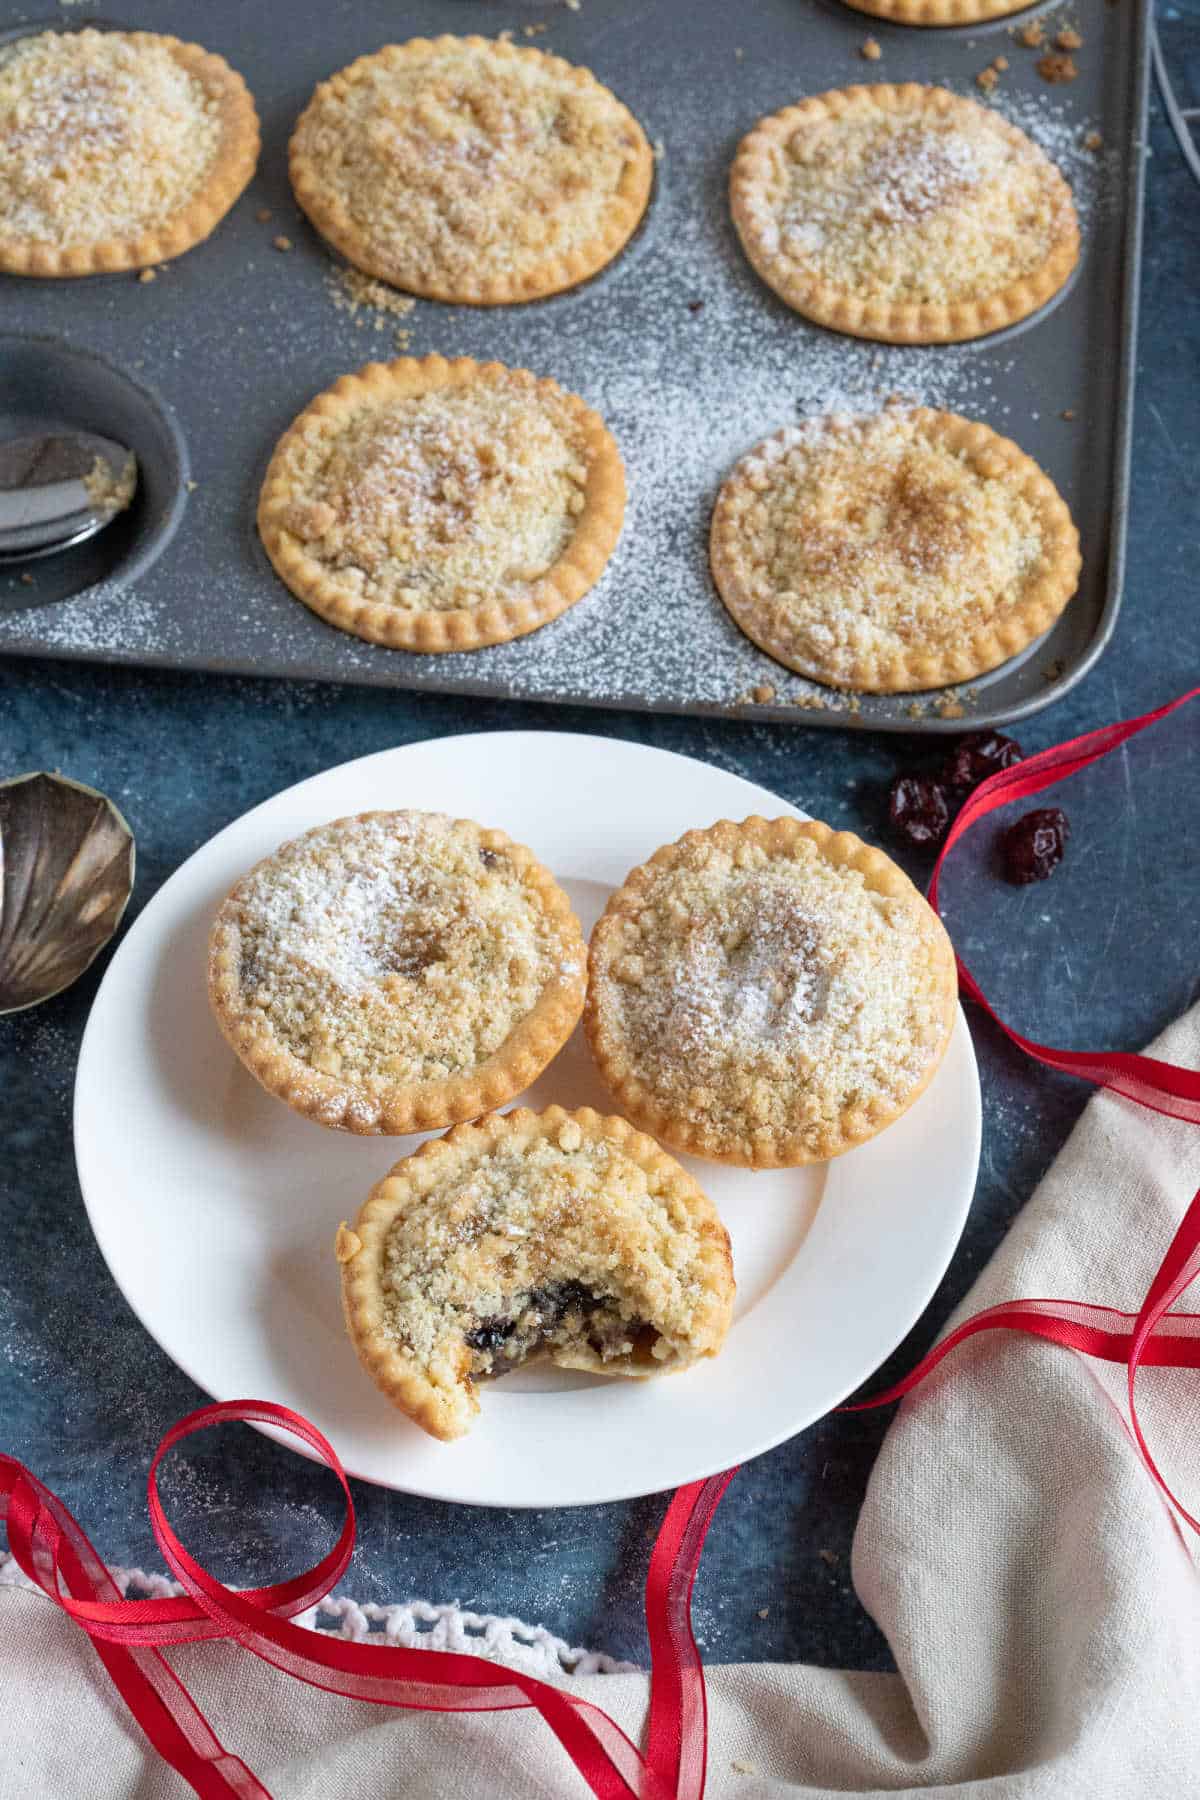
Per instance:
{"type": "Point", "coordinates": [550, 1318]}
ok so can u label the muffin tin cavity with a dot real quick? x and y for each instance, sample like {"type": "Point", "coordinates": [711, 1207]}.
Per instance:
{"type": "Point", "coordinates": [45, 385]}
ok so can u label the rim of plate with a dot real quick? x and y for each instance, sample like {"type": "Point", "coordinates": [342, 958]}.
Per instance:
{"type": "Point", "coordinates": [626, 1488]}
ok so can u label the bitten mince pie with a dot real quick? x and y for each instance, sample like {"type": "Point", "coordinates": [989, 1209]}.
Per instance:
{"type": "Point", "coordinates": [467, 170]}
{"type": "Point", "coordinates": [901, 550]}
{"type": "Point", "coordinates": [433, 505]}
{"type": "Point", "coordinates": [118, 149]}
{"type": "Point", "coordinates": [558, 1234]}
{"type": "Point", "coordinates": [768, 993]}
{"type": "Point", "coordinates": [905, 214]}
{"type": "Point", "coordinates": [396, 971]}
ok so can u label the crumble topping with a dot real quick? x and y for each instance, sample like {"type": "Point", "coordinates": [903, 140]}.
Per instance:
{"type": "Point", "coordinates": [111, 490]}
{"type": "Point", "coordinates": [915, 205]}
{"type": "Point", "coordinates": [395, 948]}
{"type": "Point", "coordinates": [370, 302]}
{"type": "Point", "coordinates": [448, 499]}
{"type": "Point", "coordinates": [556, 1245]}
{"type": "Point", "coordinates": [467, 164]}
{"type": "Point", "coordinates": [760, 995]}
{"type": "Point", "coordinates": [101, 136]}
{"type": "Point", "coordinates": [852, 539]}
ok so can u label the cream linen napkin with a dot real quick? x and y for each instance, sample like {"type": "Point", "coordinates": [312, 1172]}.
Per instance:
{"type": "Point", "coordinates": [1043, 1610]}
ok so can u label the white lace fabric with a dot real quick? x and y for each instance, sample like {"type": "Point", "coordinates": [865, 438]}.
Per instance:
{"type": "Point", "coordinates": [412, 1624]}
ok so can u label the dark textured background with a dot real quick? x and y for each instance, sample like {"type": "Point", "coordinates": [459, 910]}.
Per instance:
{"type": "Point", "coordinates": [1104, 955]}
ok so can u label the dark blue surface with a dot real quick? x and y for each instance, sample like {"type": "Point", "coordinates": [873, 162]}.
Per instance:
{"type": "Point", "coordinates": [85, 1393]}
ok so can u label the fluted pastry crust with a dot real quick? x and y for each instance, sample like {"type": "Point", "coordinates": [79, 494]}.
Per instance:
{"type": "Point", "coordinates": [118, 149]}
{"type": "Point", "coordinates": [428, 505]}
{"type": "Point", "coordinates": [468, 170]}
{"type": "Point", "coordinates": [768, 993]}
{"type": "Point", "coordinates": [396, 972]}
{"type": "Point", "coordinates": [898, 551]}
{"type": "Point", "coordinates": [906, 214]}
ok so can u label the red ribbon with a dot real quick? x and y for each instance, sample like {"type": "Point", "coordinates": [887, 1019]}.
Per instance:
{"type": "Point", "coordinates": [129, 1635]}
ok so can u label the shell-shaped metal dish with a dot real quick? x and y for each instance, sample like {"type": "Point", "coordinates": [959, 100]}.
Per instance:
{"type": "Point", "coordinates": [66, 874]}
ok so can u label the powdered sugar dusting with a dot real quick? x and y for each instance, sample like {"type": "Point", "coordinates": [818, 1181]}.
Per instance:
{"type": "Point", "coordinates": [764, 991]}
{"type": "Point", "coordinates": [395, 948]}
{"type": "Point", "coordinates": [932, 170]}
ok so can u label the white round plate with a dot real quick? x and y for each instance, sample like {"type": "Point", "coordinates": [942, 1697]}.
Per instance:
{"type": "Point", "coordinates": [215, 1206]}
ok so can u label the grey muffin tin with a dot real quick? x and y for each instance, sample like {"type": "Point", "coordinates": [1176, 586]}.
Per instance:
{"type": "Point", "coordinates": [688, 356]}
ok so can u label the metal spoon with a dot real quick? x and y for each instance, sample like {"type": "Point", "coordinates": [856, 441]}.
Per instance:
{"type": "Point", "coordinates": [66, 873]}
{"type": "Point", "coordinates": [58, 487]}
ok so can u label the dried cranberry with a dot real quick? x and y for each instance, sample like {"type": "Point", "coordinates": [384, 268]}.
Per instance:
{"type": "Point", "coordinates": [1034, 846]}
{"type": "Point", "coordinates": [976, 757]}
{"type": "Point", "coordinates": [918, 810]}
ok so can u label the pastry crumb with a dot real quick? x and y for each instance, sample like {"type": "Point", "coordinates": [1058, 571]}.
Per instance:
{"type": "Point", "coordinates": [1093, 141]}
{"type": "Point", "coordinates": [573, 5]}
{"type": "Point", "coordinates": [533, 30]}
{"type": "Point", "coordinates": [191, 486]}
{"type": "Point", "coordinates": [810, 702]}
{"type": "Point", "coordinates": [148, 275]}
{"type": "Point", "coordinates": [369, 301]}
{"type": "Point", "coordinates": [738, 54]}
{"type": "Point", "coordinates": [870, 50]}
{"type": "Point", "coordinates": [744, 1768]}
{"type": "Point", "coordinates": [915, 709]}
{"type": "Point", "coordinates": [659, 148]}
{"type": "Point", "coordinates": [263, 214]}
{"type": "Point", "coordinates": [1000, 64]}
{"type": "Point", "coordinates": [830, 1557]}
{"type": "Point", "coordinates": [763, 694]}
{"type": "Point", "coordinates": [26, 578]}
{"type": "Point", "coordinates": [1068, 39]}
{"type": "Point", "coordinates": [281, 242]}
{"type": "Point", "coordinates": [1055, 67]}
{"type": "Point", "coordinates": [1068, 412]}
{"type": "Point", "coordinates": [986, 79]}
{"type": "Point", "coordinates": [505, 36]}
{"type": "Point", "coordinates": [764, 1612]}
{"type": "Point", "coordinates": [1033, 35]}
{"type": "Point", "coordinates": [948, 707]}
